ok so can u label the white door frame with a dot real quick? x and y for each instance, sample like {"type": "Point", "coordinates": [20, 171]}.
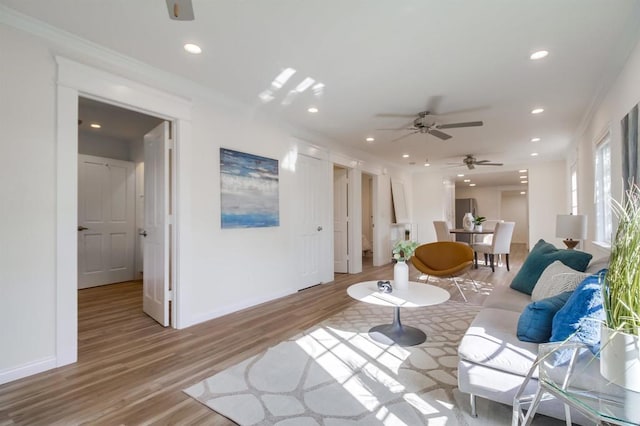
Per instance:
{"type": "Point", "coordinates": [74, 80]}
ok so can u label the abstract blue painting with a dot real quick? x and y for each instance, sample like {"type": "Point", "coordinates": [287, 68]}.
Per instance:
{"type": "Point", "coordinates": [248, 190]}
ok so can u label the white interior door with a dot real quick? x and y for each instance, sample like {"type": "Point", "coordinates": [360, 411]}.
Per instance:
{"type": "Point", "coordinates": [156, 282]}
{"type": "Point", "coordinates": [106, 221]}
{"type": "Point", "coordinates": [309, 220]}
{"type": "Point", "coordinates": [340, 221]}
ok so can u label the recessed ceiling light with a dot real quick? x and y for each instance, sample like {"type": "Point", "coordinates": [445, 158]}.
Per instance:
{"type": "Point", "coordinates": [522, 171]}
{"type": "Point", "coordinates": [193, 48]}
{"type": "Point", "coordinates": [523, 192]}
{"type": "Point", "coordinates": [460, 175]}
{"type": "Point", "coordinates": [370, 139]}
{"type": "Point", "coordinates": [405, 155]}
{"type": "Point", "coordinates": [472, 184]}
{"type": "Point", "coordinates": [537, 111]}
{"type": "Point", "coordinates": [467, 180]}
{"type": "Point", "coordinates": [539, 54]}
{"type": "Point", "coordinates": [535, 139]}
{"type": "Point", "coordinates": [95, 125]}
{"type": "Point", "coordinates": [534, 154]}
{"type": "Point", "coordinates": [312, 110]}
{"type": "Point", "coordinates": [523, 177]}
{"type": "Point", "coordinates": [427, 164]}
{"type": "Point", "coordinates": [524, 181]}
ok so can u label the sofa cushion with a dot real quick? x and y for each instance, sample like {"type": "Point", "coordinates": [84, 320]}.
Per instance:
{"type": "Point", "coordinates": [491, 341]}
{"type": "Point", "coordinates": [541, 256]}
{"type": "Point", "coordinates": [507, 298]}
{"type": "Point", "coordinates": [556, 278]}
{"type": "Point", "coordinates": [597, 265]}
{"type": "Point", "coordinates": [535, 323]}
{"type": "Point", "coordinates": [581, 317]}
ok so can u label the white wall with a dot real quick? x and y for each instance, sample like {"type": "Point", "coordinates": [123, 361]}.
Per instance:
{"type": "Point", "coordinates": [612, 106]}
{"type": "Point", "coordinates": [487, 198]}
{"type": "Point", "coordinates": [547, 198]}
{"type": "Point", "coordinates": [430, 199]}
{"type": "Point", "coordinates": [213, 275]}
{"type": "Point", "coordinates": [514, 208]}
{"type": "Point", "coordinates": [90, 143]}
{"type": "Point", "coordinates": [27, 191]}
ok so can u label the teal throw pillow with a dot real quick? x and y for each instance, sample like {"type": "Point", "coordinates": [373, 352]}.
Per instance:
{"type": "Point", "coordinates": [542, 255]}
{"type": "Point", "coordinates": [581, 317]}
{"type": "Point", "coordinates": [536, 321]}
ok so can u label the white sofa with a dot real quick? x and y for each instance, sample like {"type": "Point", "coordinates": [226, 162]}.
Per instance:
{"type": "Point", "coordinates": [493, 363]}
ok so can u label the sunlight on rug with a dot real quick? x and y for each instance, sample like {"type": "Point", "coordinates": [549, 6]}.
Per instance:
{"type": "Point", "coordinates": [335, 374]}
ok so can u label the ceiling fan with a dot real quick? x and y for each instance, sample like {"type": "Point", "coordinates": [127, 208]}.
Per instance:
{"type": "Point", "coordinates": [180, 10]}
{"type": "Point", "coordinates": [470, 161]}
{"type": "Point", "coordinates": [423, 123]}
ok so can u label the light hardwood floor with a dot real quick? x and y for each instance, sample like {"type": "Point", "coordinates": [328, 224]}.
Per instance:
{"type": "Point", "coordinates": [132, 371]}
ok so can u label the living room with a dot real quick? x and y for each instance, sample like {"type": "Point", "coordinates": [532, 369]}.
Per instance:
{"type": "Point", "coordinates": [46, 66]}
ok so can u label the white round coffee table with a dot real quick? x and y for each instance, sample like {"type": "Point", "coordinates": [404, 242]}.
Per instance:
{"type": "Point", "coordinates": [415, 296]}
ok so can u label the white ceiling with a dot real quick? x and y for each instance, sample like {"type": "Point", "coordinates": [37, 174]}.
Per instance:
{"type": "Point", "coordinates": [465, 60]}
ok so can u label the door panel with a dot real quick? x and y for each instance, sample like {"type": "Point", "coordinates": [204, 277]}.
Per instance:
{"type": "Point", "coordinates": [106, 221]}
{"type": "Point", "coordinates": [309, 220]}
{"type": "Point", "coordinates": [156, 223]}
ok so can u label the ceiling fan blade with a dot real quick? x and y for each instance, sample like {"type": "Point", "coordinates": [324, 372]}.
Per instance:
{"type": "Point", "coordinates": [481, 161]}
{"type": "Point", "coordinates": [180, 10]}
{"type": "Point", "coordinates": [488, 164]}
{"type": "Point", "coordinates": [439, 134]}
{"type": "Point", "coordinates": [396, 115]}
{"type": "Point", "coordinates": [457, 125]}
{"type": "Point", "coordinates": [404, 136]}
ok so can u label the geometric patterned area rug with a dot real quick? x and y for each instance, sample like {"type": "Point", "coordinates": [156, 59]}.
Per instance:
{"type": "Point", "coordinates": [335, 374]}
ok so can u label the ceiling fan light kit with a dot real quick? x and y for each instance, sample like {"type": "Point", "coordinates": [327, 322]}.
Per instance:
{"type": "Point", "coordinates": [470, 161]}
{"type": "Point", "coordinates": [423, 123]}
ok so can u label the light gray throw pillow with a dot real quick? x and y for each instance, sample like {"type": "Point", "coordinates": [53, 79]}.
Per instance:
{"type": "Point", "coordinates": [555, 279]}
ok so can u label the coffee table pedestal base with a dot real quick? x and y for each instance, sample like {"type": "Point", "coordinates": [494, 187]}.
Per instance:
{"type": "Point", "coordinates": [397, 333]}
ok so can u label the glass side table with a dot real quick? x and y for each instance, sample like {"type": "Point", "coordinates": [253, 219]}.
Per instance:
{"type": "Point", "coordinates": [569, 372]}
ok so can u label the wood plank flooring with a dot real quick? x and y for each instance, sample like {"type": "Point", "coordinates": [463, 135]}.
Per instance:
{"type": "Point", "coordinates": [132, 371]}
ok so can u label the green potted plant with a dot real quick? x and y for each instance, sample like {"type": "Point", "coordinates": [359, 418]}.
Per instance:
{"type": "Point", "coordinates": [477, 222]}
{"type": "Point", "coordinates": [402, 252]}
{"type": "Point", "coordinates": [620, 352]}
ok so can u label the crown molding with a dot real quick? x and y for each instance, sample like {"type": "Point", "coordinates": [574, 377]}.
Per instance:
{"type": "Point", "coordinates": [76, 48]}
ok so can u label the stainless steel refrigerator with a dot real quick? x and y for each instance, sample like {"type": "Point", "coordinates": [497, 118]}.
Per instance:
{"type": "Point", "coordinates": [464, 205]}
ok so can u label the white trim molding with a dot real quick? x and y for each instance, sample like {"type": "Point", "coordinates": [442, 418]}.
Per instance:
{"type": "Point", "coordinates": [74, 80]}
{"type": "Point", "coordinates": [28, 369]}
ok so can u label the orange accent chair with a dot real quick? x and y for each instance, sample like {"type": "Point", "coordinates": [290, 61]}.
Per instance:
{"type": "Point", "coordinates": [445, 259]}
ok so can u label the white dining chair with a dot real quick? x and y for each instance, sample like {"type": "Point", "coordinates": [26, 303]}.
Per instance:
{"type": "Point", "coordinates": [501, 244]}
{"type": "Point", "coordinates": [442, 231]}
{"type": "Point", "coordinates": [489, 225]}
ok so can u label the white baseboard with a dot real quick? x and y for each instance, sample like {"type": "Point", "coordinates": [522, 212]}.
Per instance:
{"type": "Point", "coordinates": [28, 369]}
{"type": "Point", "coordinates": [197, 319]}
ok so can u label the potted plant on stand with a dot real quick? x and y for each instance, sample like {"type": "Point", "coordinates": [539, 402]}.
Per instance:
{"type": "Point", "coordinates": [402, 252]}
{"type": "Point", "coordinates": [477, 222]}
{"type": "Point", "coordinates": [620, 348]}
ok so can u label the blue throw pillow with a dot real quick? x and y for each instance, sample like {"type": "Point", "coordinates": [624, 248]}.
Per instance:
{"type": "Point", "coordinates": [542, 255]}
{"type": "Point", "coordinates": [535, 323]}
{"type": "Point", "coordinates": [581, 317]}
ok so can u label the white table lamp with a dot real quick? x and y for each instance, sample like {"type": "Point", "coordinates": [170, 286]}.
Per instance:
{"type": "Point", "coordinates": [571, 227]}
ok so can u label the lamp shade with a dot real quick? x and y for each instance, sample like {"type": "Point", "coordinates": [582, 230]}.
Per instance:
{"type": "Point", "coordinates": [571, 226]}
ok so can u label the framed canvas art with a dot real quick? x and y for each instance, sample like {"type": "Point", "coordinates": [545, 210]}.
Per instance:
{"type": "Point", "coordinates": [248, 190]}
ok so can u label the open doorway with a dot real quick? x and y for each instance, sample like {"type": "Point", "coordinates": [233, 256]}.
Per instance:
{"type": "Point", "coordinates": [367, 220]}
{"type": "Point", "coordinates": [112, 224]}
{"type": "Point", "coordinates": [340, 220]}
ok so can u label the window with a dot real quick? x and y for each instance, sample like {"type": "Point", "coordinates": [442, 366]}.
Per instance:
{"type": "Point", "coordinates": [574, 189]}
{"type": "Point", "coordinates": [603, 190]}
